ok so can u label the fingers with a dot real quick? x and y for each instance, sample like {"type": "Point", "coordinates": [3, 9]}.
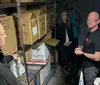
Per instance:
{"type": "Point", "coordinates": [78, 51]}
{"type": "Point", "coordinates": [67, 44]}
{"type": "Point", "coordinates": [15, 56]}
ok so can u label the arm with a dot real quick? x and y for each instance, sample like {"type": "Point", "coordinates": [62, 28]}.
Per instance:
{"type": "Point", "coordinates": [58, 35]}
{"type": "Point", "coordinates": [3, 81]}
{"type": "Point", "coordinates": [7, 76]}
{"type": "Point", "coordinates": [95, 56]}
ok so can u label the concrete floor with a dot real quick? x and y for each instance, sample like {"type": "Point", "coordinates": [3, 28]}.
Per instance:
{"type": "Point", "coordinates": [60, 78]}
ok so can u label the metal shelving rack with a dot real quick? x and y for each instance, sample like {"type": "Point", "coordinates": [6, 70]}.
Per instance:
{"type": "Point", "coordinates": [9, 5]}
{"type": "Point", "coordinates": [17, 5]}
{"type": "Point", "coordinates": [22, 40]}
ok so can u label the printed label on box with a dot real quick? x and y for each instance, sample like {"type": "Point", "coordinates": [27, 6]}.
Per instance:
{"type": "Point", "coordinates": [35, 30]}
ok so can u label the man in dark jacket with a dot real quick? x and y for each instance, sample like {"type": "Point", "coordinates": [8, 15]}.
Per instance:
{"type": "Point", "coordinates": [6, 75]}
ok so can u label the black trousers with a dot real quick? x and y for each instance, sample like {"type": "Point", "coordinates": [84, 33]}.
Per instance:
{"type": "Point", "coordinates": [76, 60]}
{"type": "Point", "coordinates": [64, 55]}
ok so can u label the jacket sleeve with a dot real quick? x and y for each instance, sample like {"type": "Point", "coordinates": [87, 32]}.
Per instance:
{"type": "Point", "coordinates": [70, 32]}
{"type": "Point", "coordinates": [58, 36]}
{"type": "Point", "coordinates": [8, 58]}
{"type": "Point", "coordinates": [2, 81]}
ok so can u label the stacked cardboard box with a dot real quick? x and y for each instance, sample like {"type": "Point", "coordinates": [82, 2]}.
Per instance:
{"type": "Point", "coordinates": [40, 14]}
{"type": "Point", "coordinates": [47, 17]}
{"type": "Point", "coordinates": [7, 1]}
{"type": "Point", "coordinates": [11, 41]}
{"type": "Point", "coordinates": [52, 15]}
{"type": "Point", "coordinates": [39, 54]}
{"type": "Point", "coordinates": [26, 0]}
{"type": "Point", "coordinates": [29, 27]}
{"type": "Point", "coordinates": [28, 56]}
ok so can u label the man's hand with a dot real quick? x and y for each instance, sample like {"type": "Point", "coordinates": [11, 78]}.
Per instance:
{"type": "Point", "coordinates": [78, 51]}
{"type": "Point", "coordinates": [15, 56]}
{"type": "Point", "coordinates": [68, 44]}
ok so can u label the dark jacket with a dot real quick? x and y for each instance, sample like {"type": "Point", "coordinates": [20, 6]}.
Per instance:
{"type": "Point", "coordinates": [6, 75]}
{"type": "Point", "coordinates": [61, 33]}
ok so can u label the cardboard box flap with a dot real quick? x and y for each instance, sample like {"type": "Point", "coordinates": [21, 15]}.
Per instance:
{"type": "Point", "coordinates": [37, 12]}
{"type": "Point", "coordinates": [52, 42]}
{"type": "Point", "coordinates": [4, 22]}
{"type": "Point", "coordinates": [25, 16]}
{"type": "Point", "coordinates": [35, 46]}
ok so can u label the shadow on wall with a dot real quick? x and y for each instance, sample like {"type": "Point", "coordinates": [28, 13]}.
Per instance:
{"type": "Point", "coordinates": [84, 7]}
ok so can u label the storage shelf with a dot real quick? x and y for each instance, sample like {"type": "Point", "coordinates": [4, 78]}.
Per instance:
{"type": "Point", "coordinates": [32, 71]}
{"type": "Point", "coordinates": [9, 5]}
{"type": "Point", "coordinates": [36, 3]}
{"type": "Point", "coordinates": [48, 77]}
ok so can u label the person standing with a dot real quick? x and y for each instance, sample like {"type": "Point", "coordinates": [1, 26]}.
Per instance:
{"type": "Point", "coordinates": [75, 19]}
{"type": "Point", "coordinates": [6, 75]}
{"type": "Point", "coordinates": [91, 49]}
{"type": "Point", "coordinates": [64, 33]}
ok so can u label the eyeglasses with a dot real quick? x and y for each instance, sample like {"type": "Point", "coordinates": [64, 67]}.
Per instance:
{"type": "Point", "coordinates": [92, 20]}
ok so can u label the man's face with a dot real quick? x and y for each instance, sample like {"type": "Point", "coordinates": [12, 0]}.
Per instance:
{"type": "Point", "coordinates": [92, 21]}
{"type": "Point", "coordinates": [2, 36]}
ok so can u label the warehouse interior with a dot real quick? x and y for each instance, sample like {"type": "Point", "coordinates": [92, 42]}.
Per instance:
{"type": "Point", "coordinates": [31, 33]}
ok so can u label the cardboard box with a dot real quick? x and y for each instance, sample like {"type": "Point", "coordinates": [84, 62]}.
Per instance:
{"type": "Point", "coordinates": [39, 54]}
{"type": "Point", "coordinates": [52, 18]}
{"type": "Point", "coordinates": [38, 79]}
{"type": "Point", "coordinates": [22, 8]}
{"type": "Point", "coordinates": [56, 58]}
{"type": "Point", "coordinates": [51, 13]}
{"type": "Point", "coordinates": [11, 42]}
{"type": "Point", "coordinates": [28, 56]}
{"type": "Point", "coordinates": [52, 42]}
{"type": "Point", "coordinates": [47, 17]}
{"type": "Point", "coordinates": [39, 0]}
{"type": "Point", "coordinates": [26, 0]}
{"type": "Point", "coordinates": [40, 14]}
{"type": "Point", "coordinates": [32, 82]}
{"type": "Point", "coordinates": [7, 1]}
{"type": "Point", "coordinates": [44, 72]}
{"type": "Point", "coordinates": [29, 27]}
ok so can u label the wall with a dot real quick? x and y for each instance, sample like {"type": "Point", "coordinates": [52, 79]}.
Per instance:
{"type": "Point", "coordinates": [84, 7]}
